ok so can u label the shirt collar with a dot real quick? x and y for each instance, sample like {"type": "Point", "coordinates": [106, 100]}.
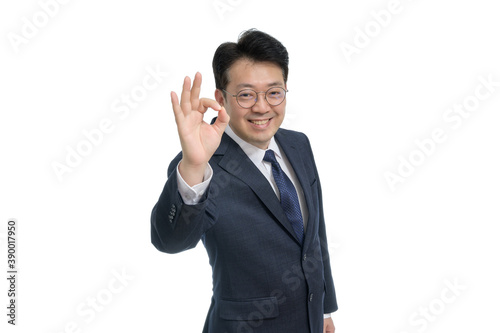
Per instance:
{"type": "Point", "coordinates": [255, 154]}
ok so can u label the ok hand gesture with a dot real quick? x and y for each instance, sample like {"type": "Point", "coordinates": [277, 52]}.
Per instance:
{"type": "Point", "coordinates": [199, 140]}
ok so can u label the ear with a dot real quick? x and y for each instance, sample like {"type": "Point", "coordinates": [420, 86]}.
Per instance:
{"type": "Point", "coordinates": [219, 97]}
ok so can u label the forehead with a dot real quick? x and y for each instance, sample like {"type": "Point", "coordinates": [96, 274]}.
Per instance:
{"type": "Point", "coordinates": [245, 73]}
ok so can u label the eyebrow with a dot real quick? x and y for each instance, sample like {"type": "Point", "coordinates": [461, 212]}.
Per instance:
{"type": "Point", "coordinates": [248, 85]}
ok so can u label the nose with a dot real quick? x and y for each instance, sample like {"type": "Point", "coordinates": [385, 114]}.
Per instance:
{"type": "Point", "coordinates": [261, 106]}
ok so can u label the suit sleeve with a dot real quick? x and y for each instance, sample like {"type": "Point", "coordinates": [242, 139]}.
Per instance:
{"type": "Point", "coordinates": [175, 226]}
{"type": "Point", "coordinates": [330, 301]}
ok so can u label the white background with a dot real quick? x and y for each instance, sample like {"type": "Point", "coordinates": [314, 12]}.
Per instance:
{"type": "Point", "coordinates": [391, 251]}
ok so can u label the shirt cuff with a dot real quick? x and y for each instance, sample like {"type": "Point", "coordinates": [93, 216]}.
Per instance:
{"type": "Point", "coordinates": [191, 195]}
{"type": "Point", "coordinates": [327, 315]}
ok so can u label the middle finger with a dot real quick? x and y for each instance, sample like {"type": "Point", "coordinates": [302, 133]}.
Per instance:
{"type": "Point", "coordinates": [195, 91]}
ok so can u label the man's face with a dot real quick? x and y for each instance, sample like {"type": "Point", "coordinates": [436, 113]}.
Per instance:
{"type": "Point", "coordinates": [258, 124]}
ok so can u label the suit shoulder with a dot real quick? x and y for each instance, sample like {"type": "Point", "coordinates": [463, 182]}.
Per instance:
{"type": "Point", "coordinates": [293, 136]}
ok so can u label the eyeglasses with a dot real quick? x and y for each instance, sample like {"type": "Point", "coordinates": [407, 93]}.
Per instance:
{"type": "Point", "coordinates": [247, 98]}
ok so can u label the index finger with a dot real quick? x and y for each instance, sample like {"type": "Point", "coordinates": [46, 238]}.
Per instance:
{"type": "Point", "coordinates": [206, 103]}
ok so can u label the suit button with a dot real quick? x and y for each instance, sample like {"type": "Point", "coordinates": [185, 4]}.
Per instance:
{"type": "Point", "coordinates": [311, 297]}
{"type": "Point", "coordinates": [305, 257]}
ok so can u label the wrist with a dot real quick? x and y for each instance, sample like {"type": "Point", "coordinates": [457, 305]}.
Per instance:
{"type": "Point", "coordinates": [192, 174]}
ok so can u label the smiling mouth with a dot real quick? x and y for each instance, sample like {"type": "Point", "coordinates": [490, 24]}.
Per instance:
{"type": "Point", "coordinates": [260, 122]}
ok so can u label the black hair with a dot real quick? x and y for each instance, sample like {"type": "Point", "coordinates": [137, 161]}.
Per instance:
{"type": "Point", "coordinates": [253, 45]}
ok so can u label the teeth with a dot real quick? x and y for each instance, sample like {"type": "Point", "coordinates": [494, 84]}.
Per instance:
{"type": "Point", "coordinates": [259, 122]}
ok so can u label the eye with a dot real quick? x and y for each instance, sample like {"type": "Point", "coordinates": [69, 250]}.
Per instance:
{"type": "Point", "coordinates": [247, 95]}
{"type": "Point", "coordinates": [275, 93]}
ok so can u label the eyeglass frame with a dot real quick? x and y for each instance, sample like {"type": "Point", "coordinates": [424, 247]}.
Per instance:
{"type": "Point", "coordinates": [257, 98]}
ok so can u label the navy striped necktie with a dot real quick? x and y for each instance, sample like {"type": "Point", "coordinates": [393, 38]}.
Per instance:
{"type": "Point", "coordinates": [288, 194]}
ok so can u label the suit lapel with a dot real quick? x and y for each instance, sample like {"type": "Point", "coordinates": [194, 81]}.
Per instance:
{"type": "Point", "coordinates": [237, 163]}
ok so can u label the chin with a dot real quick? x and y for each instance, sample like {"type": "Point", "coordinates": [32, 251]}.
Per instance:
{"type": "Point", "coordinates": [261, 141]}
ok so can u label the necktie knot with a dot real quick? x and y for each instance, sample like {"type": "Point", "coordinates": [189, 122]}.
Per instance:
{"type": "Point", "coordinates": [269, 156]}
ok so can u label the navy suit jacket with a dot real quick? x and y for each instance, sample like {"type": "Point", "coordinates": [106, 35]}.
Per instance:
{"type": "Point", "coordinates": [263, 279]}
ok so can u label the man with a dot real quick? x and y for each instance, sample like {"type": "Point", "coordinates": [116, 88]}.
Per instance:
{"type": "Point", "coordinates": [250, 191]}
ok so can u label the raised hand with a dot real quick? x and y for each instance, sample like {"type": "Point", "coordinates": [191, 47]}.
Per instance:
{"type": "Point", "coordinates": [199, 140]}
